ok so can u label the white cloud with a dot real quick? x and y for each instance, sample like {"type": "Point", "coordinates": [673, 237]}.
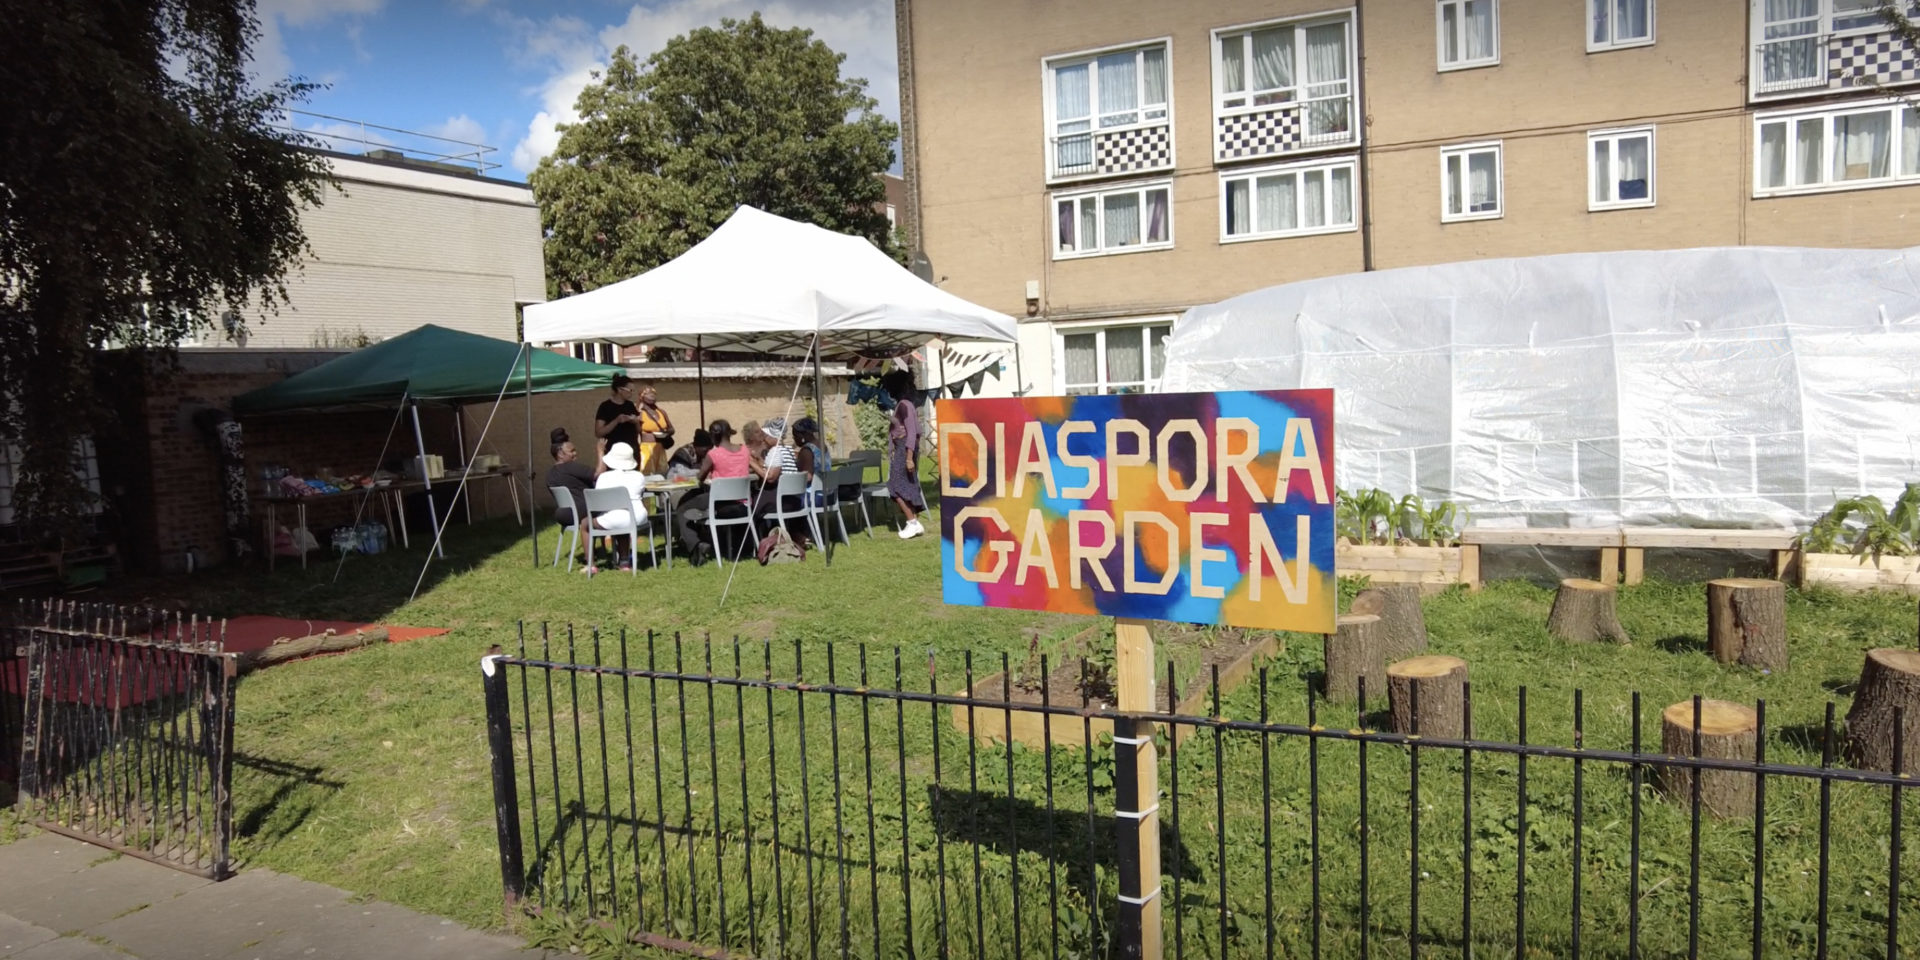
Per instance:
{"type": "Point", "coordinates": [571, 52]}
{"type": "Point", "coordinates": [463, 128]}
{"type": "Point", "coordinates": [270, 60]}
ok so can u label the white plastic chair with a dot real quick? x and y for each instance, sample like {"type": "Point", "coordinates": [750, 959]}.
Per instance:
{"type": "Point", "coordinates": [729, 490]}
{"type": "Point", "coordinates": [563, 498]}
{"type": "Point", "coordinates": [794, 484]}
{"type": "Point", "coordinates": [602, 500]}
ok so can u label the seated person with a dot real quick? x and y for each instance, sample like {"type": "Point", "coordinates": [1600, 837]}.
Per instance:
{"type": "Point", "coordinates": [623, 471]}
{"type": "Point", "coordinates": [576, 478]}
{"type": "Point", "coordinates": [684, 464]}
{"type": "Point", "coordinates": [755, 439]}
{"type": "Point", "coordinates": [568, 472]}
{"type": "Point", "coordinates": [724, 459]}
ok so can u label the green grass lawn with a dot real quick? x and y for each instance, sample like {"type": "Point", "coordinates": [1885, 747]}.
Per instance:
{"type": "Point", "coordinates": [369, 771]}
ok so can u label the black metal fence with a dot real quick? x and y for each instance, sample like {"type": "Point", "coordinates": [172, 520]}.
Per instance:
{"type": "Point", "coordinates": [782, 800]}
{"type": "Point", "coordinates": [126, 730]}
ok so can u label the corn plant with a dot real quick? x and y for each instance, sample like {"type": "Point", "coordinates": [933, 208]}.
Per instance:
{"type": "Point", "coordinates": [1863, 526]}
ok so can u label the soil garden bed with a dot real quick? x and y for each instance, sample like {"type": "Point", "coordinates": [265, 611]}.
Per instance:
{"type": "Point", "coordinates": [1194, 651]}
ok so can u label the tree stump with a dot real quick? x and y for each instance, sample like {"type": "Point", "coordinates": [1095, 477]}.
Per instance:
{"type": "Point", "coordinates": [1889, 681]}
{"type": "Point", "coordinates": [1726, 733]}
{"type": "Point", "coordinates": [1583, 612]}
{"type": "Point", "coordinates": [1437, 710]}
{"type": "Point", "coordinates": [1353, 651]}
{"type": "Point", "coordinates": [1402, 622]}
{"type": "Point", "coordinates": [1747, 622]}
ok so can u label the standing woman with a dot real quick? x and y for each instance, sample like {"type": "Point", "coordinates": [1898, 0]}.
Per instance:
{"type": "Point", "coordinates": [656, 432]}
{"type": "Point", "coordinates": [903, 469]}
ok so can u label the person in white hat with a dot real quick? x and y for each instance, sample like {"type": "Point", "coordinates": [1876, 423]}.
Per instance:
{"type": "Point", "coordinates": [622, 470]}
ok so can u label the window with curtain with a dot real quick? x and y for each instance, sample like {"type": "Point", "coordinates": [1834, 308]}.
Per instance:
{"type": "Point", "coordinates": [1111, 91]}
{"type": "Point", "coordinates": [1295, 200]}
{"type": "Point", "coordinates": [1470, 183]}
{"type": "Point", "coordinates": [1469, 33]}
{"type": "Point", "coordinates": [1121, 359]}
{"type": "Point", "coordinates": [1831, 149]}
{"type": "Point", "coordinates": [1278, 63]}
{"type": "Point", "coordinates": [1619, 23]}
{"type": "Point", "coordinates": [1620, 167]}
{"type": "Point", "coordinates": [1112, 221]}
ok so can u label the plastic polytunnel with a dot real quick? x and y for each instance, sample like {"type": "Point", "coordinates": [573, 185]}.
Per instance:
{"type": "Point", "coordinates": [1737, 387]}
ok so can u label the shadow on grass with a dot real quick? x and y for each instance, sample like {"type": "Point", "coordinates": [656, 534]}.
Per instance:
{"type": "Point", "coordinates": [368, 588]}
{"type": "Point", "coordinates": [1681, 643]}
{"type": "Point", "coordinates": [962, 818]}
{"type": "Point", "coordinates": [1001, 825]}
{"type": "Point", "coordinates": [288, 806]}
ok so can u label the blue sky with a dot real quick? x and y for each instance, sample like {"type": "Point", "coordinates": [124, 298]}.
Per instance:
{"type": "Point", "coordinates": [504, 72]}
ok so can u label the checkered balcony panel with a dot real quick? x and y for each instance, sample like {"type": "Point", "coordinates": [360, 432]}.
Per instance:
{"type": "Point", "coordinates": [1870, 60]}
{"type": "Point", "coordinates": [1126, 151]}
{"type": "Point", "coordinates": [1262, 134]}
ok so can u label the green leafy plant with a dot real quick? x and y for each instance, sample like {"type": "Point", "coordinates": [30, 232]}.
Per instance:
{"type": "Point", "coordinates": [1374, 516]}
{"type": "Point", "coordinates": [1865, 527]}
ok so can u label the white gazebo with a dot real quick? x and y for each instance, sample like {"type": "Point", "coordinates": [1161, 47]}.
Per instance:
{"type": "Point", "coordinates": [761, 283]}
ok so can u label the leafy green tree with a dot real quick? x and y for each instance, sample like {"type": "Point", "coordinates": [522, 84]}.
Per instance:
{"type": "Point", "coordinates": [665, 150]}
{"type": "Point", "coordinates": [144, 188]}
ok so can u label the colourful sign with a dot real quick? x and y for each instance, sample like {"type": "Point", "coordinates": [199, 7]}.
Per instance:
{"type": "Point", "coordinates": [1196, 508]}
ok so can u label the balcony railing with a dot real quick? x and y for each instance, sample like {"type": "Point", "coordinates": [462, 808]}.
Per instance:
{"type": "Point", "coordinates": [1795, 63]}
{"type": "Point", "coordinates": [1140, 148]}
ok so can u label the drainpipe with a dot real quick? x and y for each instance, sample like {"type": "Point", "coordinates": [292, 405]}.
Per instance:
{"type": "Point", "coordinates": [1366, 137]}
{"type": "Point", "coordinates": [909, 124]}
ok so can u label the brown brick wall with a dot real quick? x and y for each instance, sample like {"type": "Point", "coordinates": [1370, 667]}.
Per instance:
{"type": "Point", "coordinates": [163, 473]}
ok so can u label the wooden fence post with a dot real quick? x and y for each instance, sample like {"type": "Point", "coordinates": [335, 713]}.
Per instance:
{"type": "Point", "coordinates": [1136, 808]}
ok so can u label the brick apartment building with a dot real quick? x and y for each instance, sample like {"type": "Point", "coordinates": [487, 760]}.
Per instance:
{"type": "Point", "coordinates": [1098, 166]}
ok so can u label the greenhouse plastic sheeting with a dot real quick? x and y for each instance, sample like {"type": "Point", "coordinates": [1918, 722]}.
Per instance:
{"type": "Point", "coordinates": [1737, 387]}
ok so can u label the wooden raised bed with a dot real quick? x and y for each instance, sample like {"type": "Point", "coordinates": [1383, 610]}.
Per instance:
{"type": "Point", "coordinates": [989, 723]}
{"type": "Point", "coordinates": [1844, 571]}
{"type": "Point", "coordinates": [1432, 568]}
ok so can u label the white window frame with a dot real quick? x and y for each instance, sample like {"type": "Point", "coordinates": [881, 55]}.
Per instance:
{"type": "Point", "coordinates": [1827, 116]}
{"type": "Point", "coordinates": [1351, 164]}
{"type": "Point", "coordinates": [1612, 138]}
{"type": "Point", "coordinates": [1099, 195]}
{"type": "Point", "coordinates": [1101, 329]}
{"type": "Point", "coordinates": [1613, 43]}
{"type": "Point", "coordinates": [1465, 151]}
{"type": "Point", "coordinates": [1300, 100]}
{"type": "Point", "coordinates": [1440, 37]}
{"type": "Point", "coordinates": [1051, 135]}
{"type": "Point", "coordinates": [594, 351]}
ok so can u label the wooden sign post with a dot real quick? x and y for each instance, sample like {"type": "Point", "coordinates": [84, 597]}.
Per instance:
{"type": "Point", "coordinates": [1136, 794]}
{"type": "Point", "coordinates": [1197, 508]}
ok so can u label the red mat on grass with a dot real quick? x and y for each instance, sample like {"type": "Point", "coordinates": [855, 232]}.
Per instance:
{"type": "Point", "coordinates": [80, 680]}
{"type": "Point", "coordinates": [246, 634]}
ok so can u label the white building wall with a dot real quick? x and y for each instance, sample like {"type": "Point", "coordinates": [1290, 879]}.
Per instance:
{"type": "Point", "coordinates": [399, 247]}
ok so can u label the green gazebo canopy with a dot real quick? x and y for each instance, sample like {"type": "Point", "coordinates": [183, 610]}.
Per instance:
{"type": "Point", "coordinates": [432, 364]}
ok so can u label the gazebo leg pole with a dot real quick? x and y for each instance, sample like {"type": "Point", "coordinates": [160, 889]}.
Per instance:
{"type": "Point", "coordinates": [820, 412]}
{"type": "Point", "coordinates": [433, 511]}
{"type": "Point", "coordinates": [1019, 376]}
{"type": "Point", "coordinates": [700, 378]}
{"type": "Point", "coordinates": [533, 524]}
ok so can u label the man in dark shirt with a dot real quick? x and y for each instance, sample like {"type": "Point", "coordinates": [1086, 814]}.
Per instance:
{"type": "Point", "coordinates": [617, 420]}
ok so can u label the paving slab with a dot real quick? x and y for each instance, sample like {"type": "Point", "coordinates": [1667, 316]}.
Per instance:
{"type": "Point", "coordinates": [245, 913]}
{"type": "Point", "coordinates": [40, 884]}
{"type": "Point", "coordinates": [17, 935]}
{"type": "Point", "coordinates": [71, 948]}
{"type": "Point", "coordinates": [122, 907]}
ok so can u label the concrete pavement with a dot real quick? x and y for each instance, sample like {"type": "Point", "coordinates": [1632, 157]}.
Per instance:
{"type": "Point", "coordinates": [61, 899]}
